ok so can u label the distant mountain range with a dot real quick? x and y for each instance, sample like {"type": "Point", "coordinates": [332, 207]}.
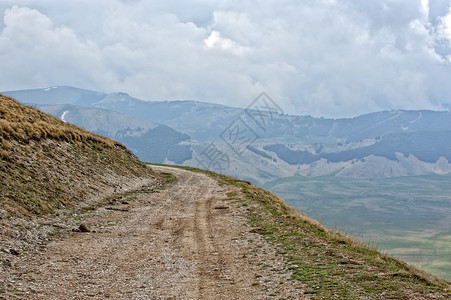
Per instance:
{"type": "Point", "coordinates": [260, 143]}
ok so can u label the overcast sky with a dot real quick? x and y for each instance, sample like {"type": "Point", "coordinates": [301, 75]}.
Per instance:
{"type": "Point", "coordinates": [330, 58]}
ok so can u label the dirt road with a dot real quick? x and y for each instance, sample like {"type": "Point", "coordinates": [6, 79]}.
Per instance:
{"type": "Point", "coordinates": [189, 241]}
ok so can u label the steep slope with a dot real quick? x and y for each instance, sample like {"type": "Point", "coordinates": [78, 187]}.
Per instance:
{"type": "Point", "coordinates": [408, 217]}
{"type": "Point", "coordinates": [149, 141]}
{"type": "Point", "coordinates": [47, 163]}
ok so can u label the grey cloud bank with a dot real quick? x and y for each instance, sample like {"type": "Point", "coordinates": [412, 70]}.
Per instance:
{"type": "Point", "coordinates": [330, 58]}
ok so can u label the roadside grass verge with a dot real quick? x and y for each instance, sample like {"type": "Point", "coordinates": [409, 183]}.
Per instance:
{"type": "Point", "coordinates": [330, 263]}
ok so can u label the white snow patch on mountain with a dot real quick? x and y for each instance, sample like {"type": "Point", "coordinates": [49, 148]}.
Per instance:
{"type": "Point", "coordinates": [63, 115]}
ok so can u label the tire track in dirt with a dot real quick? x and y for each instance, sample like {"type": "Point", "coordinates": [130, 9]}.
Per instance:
{"type": "Point", "coordinates": [213, 268]}
{"type": "Point", "coordinates": [195, 235]}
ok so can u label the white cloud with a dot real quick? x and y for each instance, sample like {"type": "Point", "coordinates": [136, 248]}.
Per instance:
{"type": "Point", "coordinates": [425, 5]}
{"type": "Point", "coordinates": [333, 58]}
{"type": "Point", "coordinates": [34, 52]}
{"type": "Point", "coordinates": [447, 26]}
{"type": "Point", "coordinates": [217, 41]}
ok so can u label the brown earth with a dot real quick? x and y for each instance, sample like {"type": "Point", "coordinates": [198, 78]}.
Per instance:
{"type": "Point", "coordinates": [189, 241]}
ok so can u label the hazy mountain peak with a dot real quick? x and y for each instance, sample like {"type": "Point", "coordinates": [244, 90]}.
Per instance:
{"type": "Point", "coordinates": [117, 97]}
{"type": "Point", "coordinates": [57, 95]}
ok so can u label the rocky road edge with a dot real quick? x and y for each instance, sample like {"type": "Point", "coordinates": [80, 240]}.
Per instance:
{"type": "Point", "coordinates": [22, 236]}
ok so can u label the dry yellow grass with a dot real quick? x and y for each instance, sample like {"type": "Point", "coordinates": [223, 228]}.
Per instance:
{"type": "Point", "coordinates": [22, 123]}
{"type": "Point", "coordinates": [46, 163]}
